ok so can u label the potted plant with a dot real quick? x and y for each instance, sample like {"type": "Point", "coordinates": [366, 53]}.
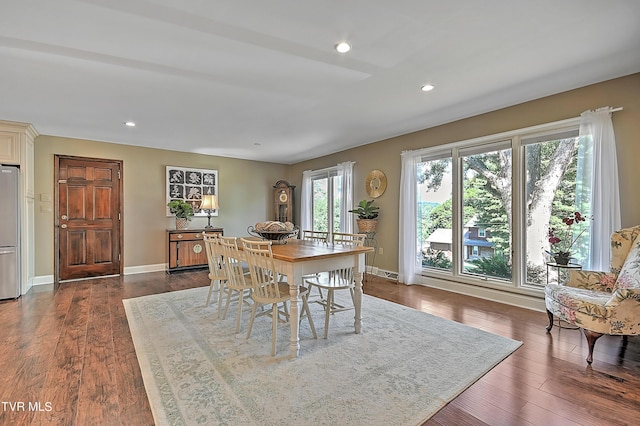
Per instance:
{"type": "Point", "coordinates": [183, 212]}
{"type": "Point", "coordinates": [367, 216]}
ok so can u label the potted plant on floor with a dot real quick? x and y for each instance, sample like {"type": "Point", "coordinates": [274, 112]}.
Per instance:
{"type": "Point", "coordinates": [183, 212]}
{"type": "Point", "coordinates": [367, 216]}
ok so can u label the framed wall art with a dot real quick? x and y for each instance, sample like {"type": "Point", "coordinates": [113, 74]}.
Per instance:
{"type": "Point", "coordinates": [190, 184]}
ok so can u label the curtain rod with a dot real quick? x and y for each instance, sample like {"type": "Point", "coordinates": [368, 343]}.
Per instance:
{"type": "Point", "coordinates": [611, 109]}
{"type": "Point", "coordinates": [566, 121]}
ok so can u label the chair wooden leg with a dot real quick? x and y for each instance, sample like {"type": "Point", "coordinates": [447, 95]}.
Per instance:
{"type": "Point", "coordinates": [550, 315]}
{"type": "Point", "coordinates": [226, 306]}
{"type": "Point", "coordinates": [327, 312]}
{"type": "Point", "coordinates": [221, 298]}
{"type": "Point", "coordinates": [591, 336]}
{"type": "Point", "coordinates": [210, 291]}
{"type": "Point", "coordinates": [240, 303]}
{"type": "Point", "coordinates": [253, 316]}
{"type": "Point", "coordinates": [305, 306]}
{"type": "Point", "coordinates": [274, 328]}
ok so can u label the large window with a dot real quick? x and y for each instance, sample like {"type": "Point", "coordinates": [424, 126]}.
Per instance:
{"type": "Point", "coordinates": [484, 207]}
{"type": "Point", "coordinates": [550, 166]}
{"type": "Point", "coordinates": [486, 204]}
{"type": "Point", "coordinates": [434, 226]}
{"type": "Point", "coordinates": [327, 197]}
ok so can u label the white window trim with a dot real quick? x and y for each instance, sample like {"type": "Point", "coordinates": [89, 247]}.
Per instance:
{"type": "Point", "coordinates": [306, 210]}
{"type": "Point", "coordinates": [518, 244]}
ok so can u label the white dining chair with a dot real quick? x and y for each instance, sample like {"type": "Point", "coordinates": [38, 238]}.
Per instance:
{"type": "Point", "coordinates": [269, 288]}
{"type": "Point", "coordinates": [339, 279]}
{"type": "Point", "coordinates": [320, 236]}
{"type": "Point", "coordinates": [217, 268]}
{"type": "Point", "coordinates": [238, 279]}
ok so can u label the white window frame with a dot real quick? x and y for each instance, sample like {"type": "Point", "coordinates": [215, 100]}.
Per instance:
{"type": "Point", "coordinates": [513, 138]}
{"type": "Point", "coordinates": [345, 171]}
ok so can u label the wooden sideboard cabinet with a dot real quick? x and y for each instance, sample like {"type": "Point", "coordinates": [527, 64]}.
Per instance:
{"type": "Point", "coordinates": [186, 249]}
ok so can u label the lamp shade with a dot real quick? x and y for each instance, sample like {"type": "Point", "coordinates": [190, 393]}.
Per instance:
{"type": "Point", "coordinates": [209, 202]}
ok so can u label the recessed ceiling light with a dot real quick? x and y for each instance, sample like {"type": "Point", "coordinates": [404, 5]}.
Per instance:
{"type": "Point", "coordinates": [427, 87]}
{"type": "Point", "coordinates": [343, 47]}
{"type": "Point", "coordinates": [130, 124]}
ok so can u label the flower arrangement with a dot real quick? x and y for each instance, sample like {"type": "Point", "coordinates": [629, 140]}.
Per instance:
{"type": "Point", "coordinates": [561, 242]}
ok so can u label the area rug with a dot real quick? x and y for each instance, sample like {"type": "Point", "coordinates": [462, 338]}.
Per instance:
{"type": "Point", "coordinates": [400, 370]}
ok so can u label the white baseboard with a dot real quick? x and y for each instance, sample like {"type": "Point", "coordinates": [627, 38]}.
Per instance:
{"type": "Point", "coordinates": [143, 269]}
{"type": "Point", "coordinates": [129, 270]}
{"type": "Point", "coordinates": [533, 303]}
{"type": "Point", "coordinates": [43, 280]}
{"type": "Point", "coordinates": [507, 297]}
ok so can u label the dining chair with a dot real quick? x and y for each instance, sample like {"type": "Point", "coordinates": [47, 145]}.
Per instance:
{"type": "Point", "coordinates": [339, 279]}
{"type": "Point", "coordinates": [217, 268]}
{"type": "Point", "coordinates": [269, 288]}
{"type": "Point", "coordinates": [348, 239]}
{"type": "Point", "coordinates": [238, 279]}
{"type": "Point", "coordinates": [320, 236]}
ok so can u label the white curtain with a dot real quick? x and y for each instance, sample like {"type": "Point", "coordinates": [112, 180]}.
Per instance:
{"type": "Point", "coordinates": [407, 250]}
{"type": "Point", "coordinates": [306, 195]}
{"type": "Point", "coordinates": [598, 152]}
{"type": "Point", "coordinates": [345, 172]}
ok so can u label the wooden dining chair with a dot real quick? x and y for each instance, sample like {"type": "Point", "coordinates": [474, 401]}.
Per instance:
{"type": "Point", "coordinates": [238, 278]}
{"type": "Point", "coordinates": [270, 289]}
{"type": "Point", "coordinates": [217, 268]}
{"type": "Point", "coordinates": [320, 236]}
{"type": "Point", "coordinates": [348, 239]}
{"type": "Point", "coordinates": [339, 279]}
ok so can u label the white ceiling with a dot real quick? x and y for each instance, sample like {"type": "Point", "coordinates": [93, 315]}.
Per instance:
{"type": "Point", "coordinates": [220, 76]}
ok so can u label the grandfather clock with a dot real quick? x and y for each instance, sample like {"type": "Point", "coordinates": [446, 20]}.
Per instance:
{"type": "Point", "coordinates": [283, 201]}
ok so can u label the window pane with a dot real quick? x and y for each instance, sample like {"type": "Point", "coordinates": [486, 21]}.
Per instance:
{"type": "Point", "coordinates": [434, 214]}
{"type": "Point", "coordinates": [327, 196]}
{"type": "Point", "coordinates": [336, 181]}
{"type": "Point", "coordinates": [320, 203]}
{"type": "Point", "coordinates": [486, 204]}
{"type": "Point", "coordinates": [550, 167]}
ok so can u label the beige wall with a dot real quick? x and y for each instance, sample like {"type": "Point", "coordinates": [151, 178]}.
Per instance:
{"type": "Point", "coordinates": [385, 155]}
{"type": "Point", "coordinates": [245, 186]}
{"type": "Point", "coordinates": [244, 193]}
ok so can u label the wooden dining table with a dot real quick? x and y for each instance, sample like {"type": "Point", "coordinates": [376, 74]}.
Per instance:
{"type": "Point", "coordinates": [297, 258]}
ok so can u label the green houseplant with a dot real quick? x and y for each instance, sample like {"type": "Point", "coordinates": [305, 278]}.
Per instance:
{"type": "Point", "coordinates": [367, 216]}
{"type": "Point", "coordinates": [183, 212]}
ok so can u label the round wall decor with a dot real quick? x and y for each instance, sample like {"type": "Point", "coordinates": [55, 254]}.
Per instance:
{"type": "Point", "coordinates": [376, 183]}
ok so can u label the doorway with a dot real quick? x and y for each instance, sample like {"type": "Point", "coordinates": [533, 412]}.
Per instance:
{"type": "Point", "coordinates": [88, 217]}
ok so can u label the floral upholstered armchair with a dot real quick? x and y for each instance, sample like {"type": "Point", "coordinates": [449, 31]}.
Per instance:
{"type": "Point", "coordinates": [602, 302]}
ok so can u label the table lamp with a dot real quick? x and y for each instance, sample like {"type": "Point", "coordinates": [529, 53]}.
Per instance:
{"type": "Point", "coordinates": [209, 204]}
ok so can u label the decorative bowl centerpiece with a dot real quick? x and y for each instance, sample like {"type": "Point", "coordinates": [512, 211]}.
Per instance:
{"type": "Point", "coordinates": [278, 232]}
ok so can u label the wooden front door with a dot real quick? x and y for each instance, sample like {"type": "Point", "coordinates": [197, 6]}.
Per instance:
{"type": "Point", "coordinates": [88, 217]}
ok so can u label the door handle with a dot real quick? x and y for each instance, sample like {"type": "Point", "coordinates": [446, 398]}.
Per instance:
{"type": "Point", "coordinates": [64, 217]}
{"type": "Point", "coordinates": [63, 226]}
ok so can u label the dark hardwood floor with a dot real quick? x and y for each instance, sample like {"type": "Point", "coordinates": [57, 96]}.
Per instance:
{"type": "Point", "coordinates": [68, 359]}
